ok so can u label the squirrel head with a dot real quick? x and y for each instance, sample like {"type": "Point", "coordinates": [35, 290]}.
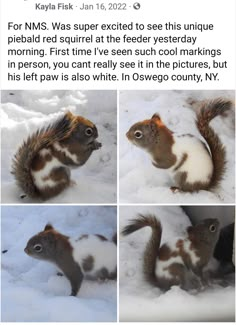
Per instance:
{"type": "Point", "coordinates": [147, 133]}
{"type": "Point", "coordinates": [43, 246]}
{"type": "Point", "coordinates": [82, 130]}
{"type": "Point", "coordinates": [207, 232]}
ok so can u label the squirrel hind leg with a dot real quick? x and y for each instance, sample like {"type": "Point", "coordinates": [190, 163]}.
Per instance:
{"type": "Point", "coordinates": [192, 281]}
{"type": "Point", "coordinates": [176, 277]}
{"type": "Point", "coordinates": [181, 181]}
{"type": "Point", "coordinates": [178, 273]}
{"type": "Point", "coordinates": [104, 275]}
{"type": "Point", "coordinates": [57, 181]}
{"type": "Point", "coordinates": [184, 277]}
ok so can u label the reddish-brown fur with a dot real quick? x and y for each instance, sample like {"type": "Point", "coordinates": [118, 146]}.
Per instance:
{"type": "Point", "coordinates": [158, 141]}
{"type": "Point", "coordinates": [29, 158]}
{"type": "Point", "coordinates": [184, 270]}
{"type": "Point", "coordinates": [56, 248]}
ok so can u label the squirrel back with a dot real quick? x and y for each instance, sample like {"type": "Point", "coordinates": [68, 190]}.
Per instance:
{"type": "Point", "coordinates": [90, 256]}
{"type": "Point", "coordinates": [50, 148]}
{"type": "Point", "coordinates": [182, 262]}
{"type": "Point", "coordinates": [208, 111]}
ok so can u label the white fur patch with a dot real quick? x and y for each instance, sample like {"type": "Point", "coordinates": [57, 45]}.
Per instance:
{"type": "Point", "coordinates": [44, 152]}
{"type": "Point", "coordinates": [68, 154]}
{"type": "Point", "coordinates": [193, 256]}
{"type": "Point", "coordinates": [103, 252]}
{"type": "Point", "coordinates": [162, 270]}
{"type": "Point", "coordinates": [39, 176]}
{"type": "Point", "coordinates": [198, 165]}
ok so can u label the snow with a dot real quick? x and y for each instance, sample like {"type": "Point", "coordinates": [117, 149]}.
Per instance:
{"type": "Point", "coordinates": [31, 288]}
{"type": "Point", "coordinates": [140, 181]}
{"type": "Point", "coordinates": [139, 301]}
{"type": "Point", "coordinates": [23, 112]}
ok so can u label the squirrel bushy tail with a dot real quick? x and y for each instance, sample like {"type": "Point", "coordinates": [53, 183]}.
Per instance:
{"type": "Point", "coordinates": [208, 111]}
{"type": "Point", "coordinates": [152, 247]}
{"type": "Point", "coordinates": [43, 138]}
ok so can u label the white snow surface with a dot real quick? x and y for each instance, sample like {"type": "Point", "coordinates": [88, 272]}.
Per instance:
{"type": "Point", "coordinates": [140, 181]}
{"type": "Point", "coordinates": [31, 289]}
{"type": "Point", "coordinates": [139, 301]}
{"type": "Point", "coordinates": [23, 112]}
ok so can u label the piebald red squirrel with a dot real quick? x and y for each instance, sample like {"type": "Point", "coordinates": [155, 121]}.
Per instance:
{"type": "Point", "coordinates": [194, 167]}
{"type": "Point", "coordinates": [89, 256]}
{"type": "Point", "coordinates": [42, 164]}
{"type": "Point", "coordinates": [181, 262]}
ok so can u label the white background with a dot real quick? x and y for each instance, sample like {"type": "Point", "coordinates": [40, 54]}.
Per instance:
{"type": "Point", "coordinates": [218, 12]}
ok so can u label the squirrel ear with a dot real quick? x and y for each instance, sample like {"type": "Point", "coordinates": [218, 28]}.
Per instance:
{"type": "Point", "coordinates": [48, 227]}
{"type": "Point", "coordinates": [153, 127]}
{"type": "Point", "coordinates": [69, 115]}
{"type": "Point", "coordinates": [156, 117]}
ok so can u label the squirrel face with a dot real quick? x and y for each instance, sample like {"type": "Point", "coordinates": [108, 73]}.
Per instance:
{"type": "Point", "coordinates": [43, 245]}
{"type": "Point", "coordinates": [146, 133]}
{"type": "Point", "coordinates": [206, 232]}
{"type": "Point", "coordinates": [85, 133]}
{"type": "Point", "coordinates": [82, 131]}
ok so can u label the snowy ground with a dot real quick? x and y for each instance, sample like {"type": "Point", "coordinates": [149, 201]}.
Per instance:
{"type": "Point", "coordinates": [141, 302]}
{"type": "Point", "coordinates": [31, 290]}
{"type": "Point", "coordinates": [24, 111]}
{"type": "Point", "coordinates": [140, 181]}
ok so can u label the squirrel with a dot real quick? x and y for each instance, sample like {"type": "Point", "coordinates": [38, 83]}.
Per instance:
{"type": "Point", "coordinates": [194, 167]}
{"type": "Point", "coordinates": [181, 262]}
{"type": "Point", "coordinates": [42, 164]}
{"type": "Point", "coordinates": [89, 256]}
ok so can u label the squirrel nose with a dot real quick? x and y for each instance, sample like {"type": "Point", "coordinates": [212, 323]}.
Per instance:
{"type": "Point", "coordinates": [26, 250]}
{"type": "Point", "coordinates": [128, 135]}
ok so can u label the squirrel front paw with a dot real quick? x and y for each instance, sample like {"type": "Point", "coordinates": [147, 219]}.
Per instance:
{"type": "Point", "coordinates": [72, 183]}
{"type": "Point", "coordinates": [175, 189]}
{"type": "Point", "coordinates": [96, 145]}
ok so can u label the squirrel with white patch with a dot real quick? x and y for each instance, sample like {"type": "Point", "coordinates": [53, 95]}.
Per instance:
{"type": "Point", "coordinates": [194, 167]}
{"type": "Point", "coordinates": [89, 256]}
{"type": "Point", "coordinates": [181, 262]}
{"type": "Point", "coordinates": [42, 164]}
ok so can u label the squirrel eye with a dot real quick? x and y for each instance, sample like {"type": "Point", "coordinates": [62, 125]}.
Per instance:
{"type": "Point", "coordinates": [138, 134]}
{"type": "Point", "coordinates": [89, 132]}
{"type": "Point", "coordinates": [212, 228]}
{"type": "Point", "coordinates": [38, 248]}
